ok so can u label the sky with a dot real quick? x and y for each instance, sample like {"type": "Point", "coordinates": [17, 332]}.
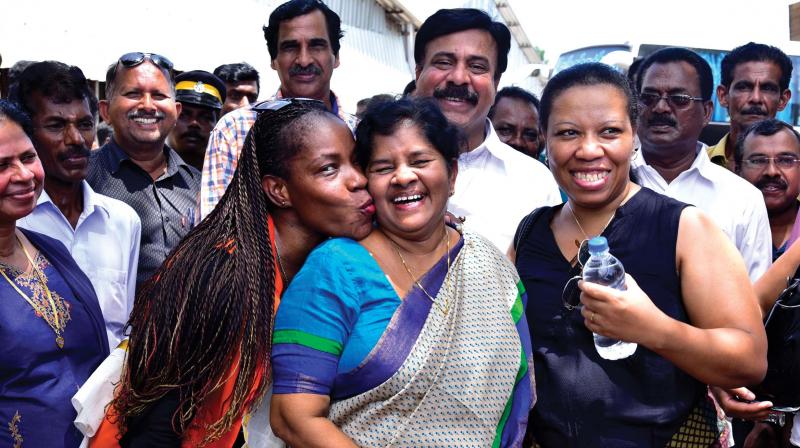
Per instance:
{"type": "Point", "coordinates": [561, 25]}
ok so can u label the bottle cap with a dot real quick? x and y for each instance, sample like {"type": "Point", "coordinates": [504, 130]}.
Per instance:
{"type": "Point", "coordinates": [598, 244]}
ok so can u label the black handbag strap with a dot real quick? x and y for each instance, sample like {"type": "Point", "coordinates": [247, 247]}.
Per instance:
{"type": "Point", "coordinates": [525, 225]}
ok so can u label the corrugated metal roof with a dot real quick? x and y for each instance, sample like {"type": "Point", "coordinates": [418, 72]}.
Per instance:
{"type": "Point", "coordinates": [366, 14]}
{"type": "Point", "coordinates": [517, 31]}
{"type": "Point", "coordinates": [399, 11]}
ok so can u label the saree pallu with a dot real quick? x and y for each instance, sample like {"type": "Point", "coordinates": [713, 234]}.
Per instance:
{"type": "Point", "coordinates": [453, 372]}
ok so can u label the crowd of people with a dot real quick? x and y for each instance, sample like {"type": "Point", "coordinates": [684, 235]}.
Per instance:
{"type": "Point", "coordinates": [211, 270]}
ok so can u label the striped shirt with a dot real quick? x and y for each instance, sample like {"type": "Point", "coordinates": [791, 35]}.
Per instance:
{"type": "Point", "coordinates": [227, 139]}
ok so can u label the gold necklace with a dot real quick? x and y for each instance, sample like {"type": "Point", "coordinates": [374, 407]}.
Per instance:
{"type": "Point", "coordinates": [414, 279]}
{"type": "Point", "coordinates": [56, 322]}
{"type": "Point", "coordinates": [280, 266]}
{"type": "Point", "coordinates": [580, 227]}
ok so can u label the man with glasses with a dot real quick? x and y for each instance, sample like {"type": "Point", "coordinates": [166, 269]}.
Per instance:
{"type": "Point", "coordinates": [755, 86]}
{"type": "Point", "coordinates": [102, 234]}
{"type": "Point", "coordinates": [768, 156]}
{"type": "Point", "coordinates": [303, 42]}
{"type": "Point", "coordinates": [675, 87]}
{"type": "Point", "coordinates": [136, 166]}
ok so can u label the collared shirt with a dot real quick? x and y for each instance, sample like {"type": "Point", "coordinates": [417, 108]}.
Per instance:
{"type": "Point", "coordinates": [166, 206]}
{"type": "Point", "coordinates": [104, 243]}
{"type": "Point", "coordinates": [733, 204]}
{"type": "Point", "coordinates": [717, 152]}
{"type": "Point", "coordinates": [225, 143]}
{"type": "Point", "coordinates": [497, 186]}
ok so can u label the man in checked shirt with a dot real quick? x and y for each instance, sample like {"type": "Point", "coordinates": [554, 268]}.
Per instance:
{"type": "Point", "coordinates": [303, 42]}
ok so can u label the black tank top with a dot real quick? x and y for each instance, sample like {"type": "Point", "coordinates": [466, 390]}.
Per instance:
{"type": "Point", "coordinates": [584, 400]}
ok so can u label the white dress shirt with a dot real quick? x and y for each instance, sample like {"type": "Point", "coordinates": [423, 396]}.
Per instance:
{"type": "Point", "coordinates": [497, 186]}
{"type": "Point", "coordinates": [105, 244]}
{"type": "Point", "coordinates": [735, 205]}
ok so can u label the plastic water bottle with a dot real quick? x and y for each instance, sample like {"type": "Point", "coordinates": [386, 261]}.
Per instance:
{"type": "Point", "coordinates": [604, 269]}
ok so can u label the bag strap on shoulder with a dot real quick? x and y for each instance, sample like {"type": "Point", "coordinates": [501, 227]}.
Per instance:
{"type": "Point", "coordinates": [525, 225]}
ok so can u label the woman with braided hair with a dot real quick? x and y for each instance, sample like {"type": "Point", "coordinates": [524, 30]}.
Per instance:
{"type": "Point", "coordinates": [198, 356]}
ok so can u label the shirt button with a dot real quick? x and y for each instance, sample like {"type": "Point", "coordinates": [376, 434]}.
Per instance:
{"type": "Point", "coordinates": [166, 219]}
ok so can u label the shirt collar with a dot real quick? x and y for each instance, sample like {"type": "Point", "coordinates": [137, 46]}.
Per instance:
{"type": "Point", "coordinates": [116, 155]}
{"type": "Point", "coordinates": [700, 164]}
{"type": "Point", "coordinates": [496, 146]}
{"type": "Point", "coordinates": [175, 162]}
{"type": "Point", "coordinates": [90, 202]}
{"type": "Point", "coordinates": [717, 152]}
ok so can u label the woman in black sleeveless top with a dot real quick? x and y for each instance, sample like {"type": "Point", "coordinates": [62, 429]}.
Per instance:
{"type": "Point", "coordinates": [689, 304]}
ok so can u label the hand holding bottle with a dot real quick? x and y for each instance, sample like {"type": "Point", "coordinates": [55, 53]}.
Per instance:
{"type": "Point", "coordinates": [627, 315]}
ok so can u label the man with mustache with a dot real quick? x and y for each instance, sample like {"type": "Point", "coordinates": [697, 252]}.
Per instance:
{"type": "Point", "coordinates": [515, 117]}
{"type": "Point", "coordinates": [754, 87]}
{"type": "Point", "coordinates": [201, 96]}
{"type": "Point", "coordinates": [768, 156]}
{"type": "Point", "coordinates": [101, 233]}
{"type": "Point", "coordinates": [460, 55]}
{"type": "Point", "coordinates": [303, 43]}
{"type": "Point", "coordinates": [675, 87]}
{"type": "Point", "coordinates": [136, 166]}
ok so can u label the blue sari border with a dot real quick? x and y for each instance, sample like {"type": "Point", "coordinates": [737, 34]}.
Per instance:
{"type": "Point", "coordinates": [400, 336]}
{"type": "Point", "coordinates": [317, 375]}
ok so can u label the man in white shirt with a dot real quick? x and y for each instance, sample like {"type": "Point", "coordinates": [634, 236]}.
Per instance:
{"type": "Point", "coordinates": [460, 55]}
{"type": "Point", "coordinates": [675, 87]}
{"type": "Point", "coordinates": [101, 233]}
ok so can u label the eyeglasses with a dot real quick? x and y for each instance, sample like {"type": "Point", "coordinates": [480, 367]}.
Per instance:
{"type": "Point", "coordinates": [135, 58]}
{"type": "Point", "coordinates": [279, 104]}
{"type": "Point", "coordinates": [783, 162]}
{"type": "Point", "coordinates": [571, 294]}
{"type": "Point", "coordinates": [675, 100]}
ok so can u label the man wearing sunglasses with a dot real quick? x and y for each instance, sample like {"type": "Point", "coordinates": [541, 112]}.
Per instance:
{"type": "Point", "coordinates": [136, 166]}
{"type": "Point", "coordinates": [675, 87]}
{"type": "Point", "coordinates": [303, 42]}
{"type": "Point", "coordinates": [754, 87]}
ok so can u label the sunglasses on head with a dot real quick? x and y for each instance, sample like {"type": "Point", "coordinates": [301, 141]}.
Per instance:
{"type": "Point", "coordinates": [135, 58]}
{"type": "Point", "coordinates": [279, 104]}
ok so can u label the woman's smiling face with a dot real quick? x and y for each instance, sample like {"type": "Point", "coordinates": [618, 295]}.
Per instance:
{"type": "Point", "coordinates": [589, 143]}
{"type": "Point", "coordinates": [410, 182]}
